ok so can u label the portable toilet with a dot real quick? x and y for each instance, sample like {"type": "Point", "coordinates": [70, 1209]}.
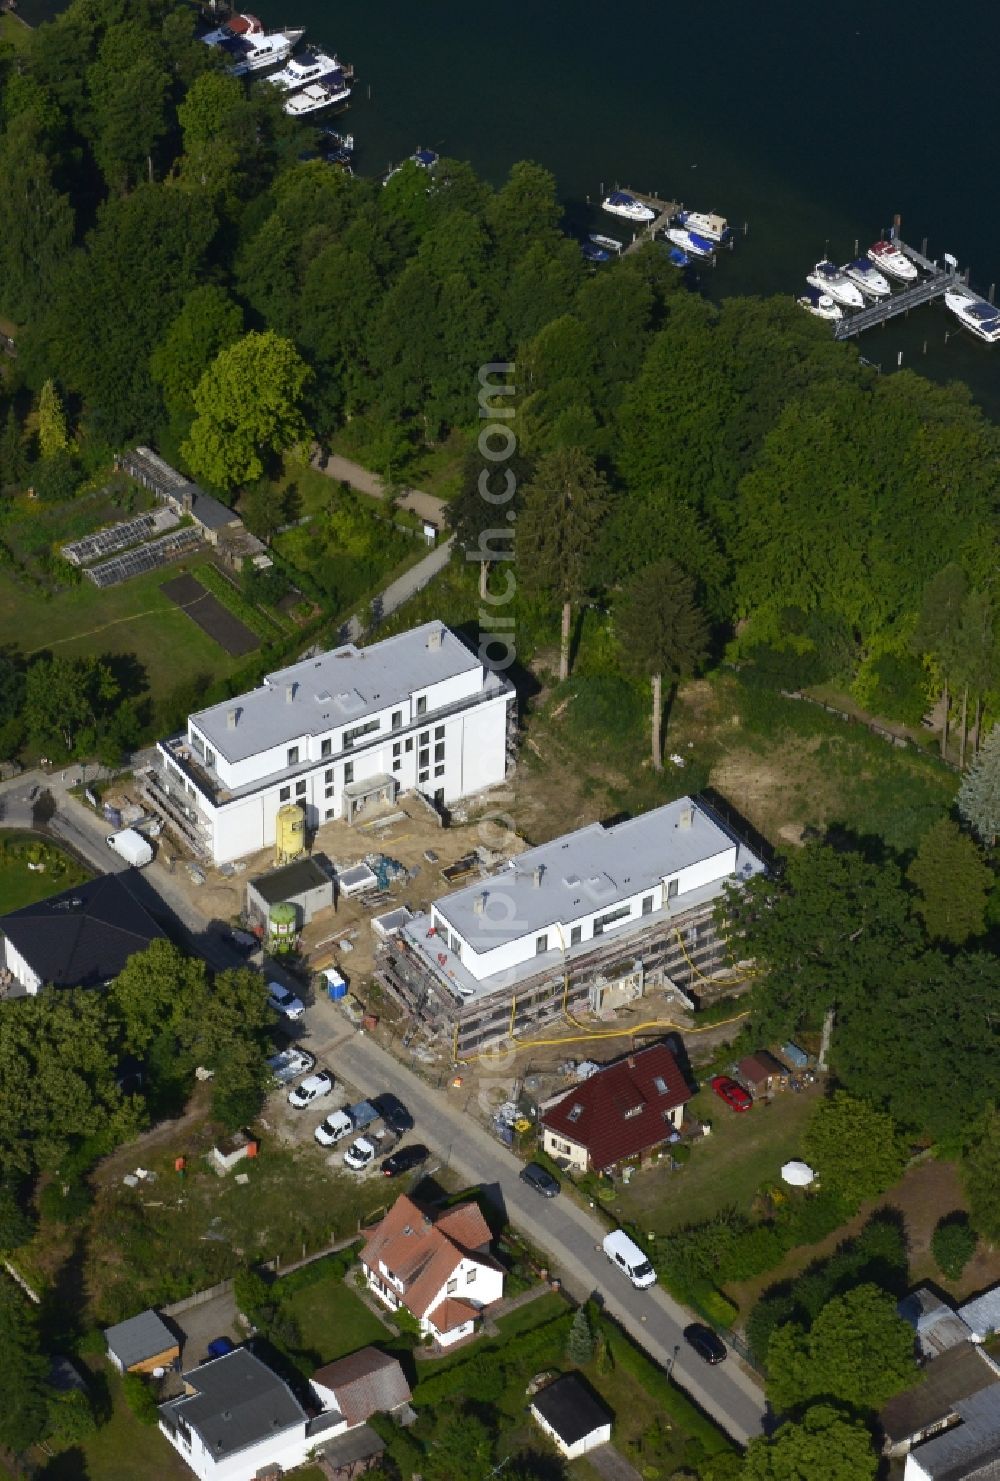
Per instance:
{"type": "Point", "coordinates": [289, 833]}
{"type": "Point", "coordinates": [335, 984]}
{"type": "Point", "coordinates": [282, 927]}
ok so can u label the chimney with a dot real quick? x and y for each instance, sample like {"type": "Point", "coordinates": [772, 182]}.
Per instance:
{"type": "Point", "coordinates": [631, 1061]}
{"type": "Point", "coordinates": [687, 816]}
{"type": "Point", "coordinates": [536, 875]}
{"type": "Point", "coordinates": [290, 693]}
{"type": "Point", "coordinates": [434, 639]}
{"type": "Point", "coordinates": [232, 719]}
{"type": "Point", "coordinates": [479, 904]}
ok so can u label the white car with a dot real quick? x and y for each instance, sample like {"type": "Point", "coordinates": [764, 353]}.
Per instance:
{"type": "Point", "coordinates": [284, 1002]}
{"type": "Point", "coordinates": [334, 1128]}
{"type": "Point", "coordinates": [359, 1154]}
{"type": "Point", "coordinates": [311, 1089]}
{"type": "Point", "coordinates": [289, 1064]}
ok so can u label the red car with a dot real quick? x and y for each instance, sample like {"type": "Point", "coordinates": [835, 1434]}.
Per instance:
{"type": "Point", "coordinates": [734, 1095]}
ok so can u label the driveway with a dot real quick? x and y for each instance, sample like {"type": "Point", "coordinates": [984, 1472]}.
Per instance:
{"type": "Point", "coordinates": [200, 1325]}
{"type": "Point", "coordinates": [610, 1464]}
{"type": "Point", "coordinates": [567, 1233]}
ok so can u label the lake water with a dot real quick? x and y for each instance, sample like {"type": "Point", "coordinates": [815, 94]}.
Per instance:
{"type": "Point", "coordinates": [813, 125]}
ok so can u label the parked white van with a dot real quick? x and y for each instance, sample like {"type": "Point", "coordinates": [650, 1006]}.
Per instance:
{"type": "Point", "coordinates": [627, 1255]}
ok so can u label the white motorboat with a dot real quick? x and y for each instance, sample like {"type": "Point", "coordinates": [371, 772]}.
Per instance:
{"type": "Point", "coordinates": [706, 224]}
{"type": "Point", "coordinates": [889, 259]}
{"type": "Point", "coordinates": [690, 242]}
{"type": "Point", "coordinates": [820, 304]}
{"type": "Point", "coordinates": [981, 318]}
{"type": "Point", "coordinates": [868, 278]}
{"type": "Point", "coordinates": [620, 203]}
{"type": "Point", "coordinates": [314, 97]}
{"type": "Point", "coordinates": [610, 244]}
{"type": "Point", "coordinates": [829, 279]}
{"type": "Point", "coordinates": [312, 66]}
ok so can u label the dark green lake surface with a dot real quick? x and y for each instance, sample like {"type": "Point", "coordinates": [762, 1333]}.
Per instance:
{"type": "Point", "coordinates": [814, 124]}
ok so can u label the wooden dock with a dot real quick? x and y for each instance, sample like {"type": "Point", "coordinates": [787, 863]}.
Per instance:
{"type": "Point", "coordinates": [665, 212]}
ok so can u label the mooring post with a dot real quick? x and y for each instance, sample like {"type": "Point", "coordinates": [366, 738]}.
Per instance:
{"type": "Point", "coordinates": [993, 288]}
{"type": "Point", "coordinates": [855, 246]}
{"type": "Point", "coordinates": [899, 359]}
{"type": "Point", "coordinates": [923, 247]}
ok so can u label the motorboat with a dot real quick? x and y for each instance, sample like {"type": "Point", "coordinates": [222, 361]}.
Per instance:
{"type": "Point", "coordinates": [425, 159]}
{"type": "Point", "coordinates": [706, 224]}
{"type": "Point", "coordinates": [620, 203]}
{"type": "Point", "coordinates": [249, 48]}
{"type": "Point", "coordinates": [593, 253]}
{"type": "Point", "coordinates": [820, 304]}
{"type": "Point", "coordinates": [829, 279]}
{"type": "Point", "coordinates": [981, 318]}
{"type": "Point", "coordinates": [677, 257]}
{"type": "Point", "coordinates": [889, 259]}
{"type": "Point", "coordinates": [868, 278]}
{"type": "Point", "coordinates": [690, 242]}
{"type": "Point", "coordinates": [610, 244]}
{"type": "Point", "coordinates": [312, 66]}
{"type": "Point", "coordinates": [316, 96]}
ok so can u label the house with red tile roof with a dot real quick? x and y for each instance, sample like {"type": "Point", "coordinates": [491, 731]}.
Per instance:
{"type": "Point", "coordinates": [623, 1113]}
{"type": "Point", "coordinates": [437, 1265]}
{"type": "Point", "coordinates": [364, 1383]}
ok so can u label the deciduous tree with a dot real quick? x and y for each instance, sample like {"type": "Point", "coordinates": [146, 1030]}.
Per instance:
{"type": "Point", "coordinates": [858, 1351]}
{"type": "Point", "coordinates": [823, 1442]}
{"type": "Point", "coordinates": [953, 1243]}
{"type": "Point", "coordinates": [23, 1372]}
{"type": "Point", "coordinates": [937, 631]}
{"type": "Point", "coordinates": [953, 882]}
{"type": "Point", "coordinates": [855, 1149]}
{"type": "Point", "coordinates": [249, 405]}
{"type": "Point", "coordinates": [981, 1173]}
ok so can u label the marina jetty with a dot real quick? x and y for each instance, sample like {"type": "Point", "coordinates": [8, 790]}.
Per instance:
{"type": "Point", "coordinates": [935, 285]}
{"type": "Point", "coordinates": [665, 213]}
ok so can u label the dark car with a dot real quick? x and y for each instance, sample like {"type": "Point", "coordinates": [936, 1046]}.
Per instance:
{"type": "Point", "coordinates": [404, 1160]}
{"type": "Point", "coordinates": [706, 1343]}
{"type": "Point", "coordinates": [393, 1113]}
{"type": "Point", "coordinates": [540, 1179]}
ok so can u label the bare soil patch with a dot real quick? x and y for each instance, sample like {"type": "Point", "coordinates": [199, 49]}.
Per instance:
{"type": "Point", "coordinates": [211, 616]}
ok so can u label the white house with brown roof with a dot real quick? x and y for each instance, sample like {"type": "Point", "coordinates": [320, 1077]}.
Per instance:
{"type": "Point", "coordinates": [364, 1383]}
{"type": "Point", "coordinates": [436, 1265]}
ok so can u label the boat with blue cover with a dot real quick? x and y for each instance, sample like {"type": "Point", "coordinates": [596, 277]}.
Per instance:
{"type": "Point", "coordinates": [981, 318]}
{"type": "Point", "coordinates": [828, 278]}
{"type": "Point", "coordinates": [593, 253]}
{"type": "Point", "coordinates": [820, 304]}
{"type": "Point", "coordinates": [868, 278]}
{"type": "Point", "coordinates": [312, 66]}
{"type": "Point", "coordinates": [690, 242]}
{"type": "Point", "coordinates": [620, 203]}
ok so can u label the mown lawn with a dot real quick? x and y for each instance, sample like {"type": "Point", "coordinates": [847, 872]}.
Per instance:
{"type": "Point", "coordinates": [121, 1450]}
{"type": "Point", "coordinates": [134, 618]}
{"type": "Point", "coordinates": [726, 1168]}
{"type": "Point", "coordinates": [20, 885]}
{"type": "Point", "coordinates": [332, 1321]}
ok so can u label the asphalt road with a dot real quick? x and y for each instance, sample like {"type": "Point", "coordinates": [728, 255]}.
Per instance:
{"type": "Point", "coordinates": [566, 1232]}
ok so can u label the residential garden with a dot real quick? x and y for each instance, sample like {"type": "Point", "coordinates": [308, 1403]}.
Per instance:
{"type": "Point", "coordinates": [32, 869]}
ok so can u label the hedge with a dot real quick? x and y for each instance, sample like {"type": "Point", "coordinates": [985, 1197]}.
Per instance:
{"type": "Point", "coordinates": [329, 1267]}
{"type": "Point", "coordinates": [258, 621]}
{"type": "Point", "coordinates": [662, 1389]}
{"type": "Point", "coordinates": [466, 1378]}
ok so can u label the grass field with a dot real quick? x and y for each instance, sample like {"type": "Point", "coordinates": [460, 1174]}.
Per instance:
{"type": "Point", "coordinates": [332, 1321]}
{"type": "Point", "coordinates": [20, 885]}
{"type": "Point", "coordinates": [727, 1168]}
{"type": "Point", "coordinates": [121, 1450]}
{"type": "Point", "coordinates": [134, 618]}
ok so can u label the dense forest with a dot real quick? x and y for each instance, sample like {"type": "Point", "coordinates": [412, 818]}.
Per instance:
{"type": "Point", "coordinates": [183, 268]}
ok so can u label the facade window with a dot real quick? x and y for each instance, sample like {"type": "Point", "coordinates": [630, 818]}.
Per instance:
{"type": "Point", "coordinates": [300, 789]}
{"type": "Point", "coordinates": [328, 776]}
{"type": "Point", "coordinates": [602, 922]}
{"type": "Point", "coordinates": [397, 719]}
{"type": "Point", "coordinates": [397, 764]}
{"type": "Point", "coordinates": [439, 732]}
{"type": "Point", "coordinates": [647, 904]}
{"type": "Point", "coordinates": [396, 748]}
{"type": "Point", "coordinates": [672, 890]}
{"type": "Point", "coordinates": [209, 757]}
{"type": "Point", "coordinates": [348, 772]}
{"type": "Point", "coordinates": [452, 1285]}
{"type": "Point", "coordinates": [422, 704]}
{"type": "Point", "coordinates": [541, 944]}
{"type": "Point", "coordinates": [357, 731]}
{"type": "Point", "coordinates": [424, 758]}
{"type": "Point", "coordinates": [439, 751]}
{"type": "Point", "coordinates": [409, 742]}
{"type": "Point", "coordinates": [425, 736]}
{"type": "Point", "coordinates": [329, 793]}
{"type": "Point", "coordinates": [422, 776]}
{"type": "Point", "coordinates": [284, 794]}
{"type": "Point", "coordinates": [439, 771]}
{"type": "Point", "coordinates": [470, 1276]}
{"type": "Point", "coordinates": [576, 935]}
{"type": "Point", "coordinates": [293, 756]}
{"type": "Point", "coordinates": [330, 813]}
{"type": "Point", "coordinates": [326, 746]}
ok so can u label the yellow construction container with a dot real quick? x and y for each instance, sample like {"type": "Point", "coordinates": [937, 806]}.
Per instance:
{"type": "Point", "coordinates": [289, 833]}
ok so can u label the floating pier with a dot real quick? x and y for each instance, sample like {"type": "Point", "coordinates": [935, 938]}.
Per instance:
{"type": "Point", "coordinates": [940, 280]}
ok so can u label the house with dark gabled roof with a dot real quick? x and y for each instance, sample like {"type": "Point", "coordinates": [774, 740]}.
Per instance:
{"type": "Point", "coordinates": [80, 938]}
{"type": "Point", "coordinates": [623, 1113]}
{"type": "Point", "coordinates": [437, 1265]}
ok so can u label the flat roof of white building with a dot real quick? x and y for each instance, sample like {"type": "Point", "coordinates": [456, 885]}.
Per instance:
{"type": "Point", "coordinates": [347, 684]}
{"type": "Point", "coordinates": [581, 872]}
